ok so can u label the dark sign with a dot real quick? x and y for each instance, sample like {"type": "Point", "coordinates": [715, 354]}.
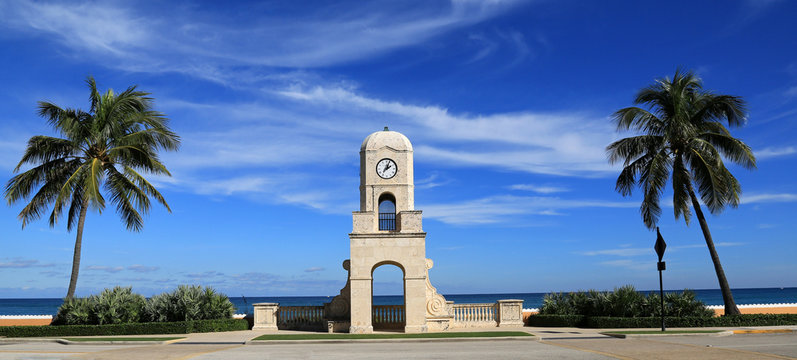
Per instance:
{"type": "Point", "coordinates": [660, 244]}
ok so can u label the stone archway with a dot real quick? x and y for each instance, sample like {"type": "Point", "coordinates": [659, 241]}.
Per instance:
{"type": "Point", "coordinates": [388, 316]}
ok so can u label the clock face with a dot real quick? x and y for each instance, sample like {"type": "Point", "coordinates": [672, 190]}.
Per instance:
{"type": "Point", "coordinates": [386, 168]}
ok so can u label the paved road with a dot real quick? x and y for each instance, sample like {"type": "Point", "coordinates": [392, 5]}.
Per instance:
{"type": "Point", "coordinates": [578, 346]}
{"type": "Point", "coordinates": [768, 346]}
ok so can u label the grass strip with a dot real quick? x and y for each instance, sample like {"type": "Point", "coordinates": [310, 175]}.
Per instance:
{"type": "Point", "coordinates": [441, 335]}
{"type": "Point", "coordinates": [653, 332]}
{"type": "Point", "coordinates": [124, 339]}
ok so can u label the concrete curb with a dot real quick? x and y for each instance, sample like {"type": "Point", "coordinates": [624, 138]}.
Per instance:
{"type": "Point", "coordinates": [625, 336]}
{"type": "Point", "coordinates": [4, 340]}
{"type": "Point", "coordinates": [123, 342]}
{"type": "Point", "coordinates": [765, 331]}
{"type": "Point", "coordinates": [410, 340]}
{"type": "Point", "coordinates": [101, 342]}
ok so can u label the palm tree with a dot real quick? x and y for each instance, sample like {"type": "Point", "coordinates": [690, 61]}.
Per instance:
{"type": "Point", "coordinates": [103, 151]}
{"type": "Point", "coordinates": [683, 135]}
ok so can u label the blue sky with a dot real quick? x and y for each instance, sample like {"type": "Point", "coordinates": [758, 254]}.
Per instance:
{"type": "Point", "coordinates": [507, 103]}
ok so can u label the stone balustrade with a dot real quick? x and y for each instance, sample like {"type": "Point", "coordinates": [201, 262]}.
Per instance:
{"type": "Point", "coordinates": [301, 318]}
{"type": "Point", "coordinates": [474, 315]}
{"type": "Point", "coordinates": [503, 313]}
{"type": "Point", "coordinates": [388, 317]}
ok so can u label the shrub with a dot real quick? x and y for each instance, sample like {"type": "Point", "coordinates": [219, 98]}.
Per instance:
{"type": "Point", "coordinates": [189, 303]}
{"type": "Point", "coordinates": [118, 306]}
{"type": "Point", "coordinates": [623, 302]}
{"type": "Point", "coordinates": [75, 311]}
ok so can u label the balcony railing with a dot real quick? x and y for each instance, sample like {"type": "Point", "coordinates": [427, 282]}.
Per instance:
{"type": "Point", "coordinates": [387, 221]}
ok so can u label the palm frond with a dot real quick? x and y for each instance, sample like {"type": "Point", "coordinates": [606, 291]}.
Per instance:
{"type": "Point", "coordinates": [653, 179]}
{"type": "Point", "coordinates": [44, 149]}
{"type": "Point", "coordinates": [680, 182]}
{"type": "Point", "coordinates": [145, 185]}
{"type": "Point", "coordinates": [631, 148]}
{"type": "Point", "coordinates": [731, 148]}
{"type": "Point", "coordinates": [704, 163]}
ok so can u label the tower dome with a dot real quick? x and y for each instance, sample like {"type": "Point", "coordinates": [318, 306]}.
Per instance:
{"type": "Point", "coordinates": [392, 139]}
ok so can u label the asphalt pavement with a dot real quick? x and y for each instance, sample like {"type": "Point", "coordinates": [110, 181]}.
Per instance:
{"type": "Point", "coordinates": [548, 343]}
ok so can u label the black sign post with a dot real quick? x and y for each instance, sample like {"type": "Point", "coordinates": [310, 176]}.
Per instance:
{"type": "Point", "coordinates": [660, 247]}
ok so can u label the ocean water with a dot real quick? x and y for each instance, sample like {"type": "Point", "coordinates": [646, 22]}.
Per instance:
{"type": "Point", "coordinates": [530, 300]}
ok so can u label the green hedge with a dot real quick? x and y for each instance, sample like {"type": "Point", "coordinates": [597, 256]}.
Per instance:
{"type": "Point", "coordinates": [177, 327]}
{"type": "Point", "coordinates": [607, 322]}
{"type": "Point", "coordinates": [556, 320]}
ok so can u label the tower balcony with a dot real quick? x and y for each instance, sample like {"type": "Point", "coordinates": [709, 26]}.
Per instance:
{"type": "Point", "coordinates": [409, 221]}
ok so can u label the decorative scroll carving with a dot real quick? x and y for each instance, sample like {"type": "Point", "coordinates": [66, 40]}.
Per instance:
{"type": "Point", "coordinates": [340, 306]}
{"type": "Point", "coordinates": [435, 303]}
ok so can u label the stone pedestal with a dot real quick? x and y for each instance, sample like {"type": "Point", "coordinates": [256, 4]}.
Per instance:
{"type": "Point", "coordinates": [510, 313]}
{"type": "Point", "coordinates": [265, 316]}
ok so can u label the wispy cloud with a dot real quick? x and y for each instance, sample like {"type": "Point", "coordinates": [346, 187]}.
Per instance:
{"type": "Point", "coordinates": [772, 152]}
{"type": "Point", "coordinates": [768, 198]}
{"type": "Point", "coordinates": [629, 264]}
{"type": "Point", "coordinates": [569, 144]}
{"type": "Point", "coordinates": [314, 269]}
{"type": "Point", "coordinates": [620, 252]}
{"type": "Point", "coordinates": [506, 208]}
{"type": "Point", "coordinates": [142, 268]}
{"type": "Point", "coordinates": [631, 252]}
{"type": "Point", "coordinates": [429, 182]}
{"type": "Point", "coordinates": [209, 42]}
{"type": "Point", "coordinates": [204, 275]}
{"type": "Point", "coordinates": [19, 263]}
{"type": "Point", "coordinates": [542, 189]}
{"type": "Point", "coordinates": [108, 269]}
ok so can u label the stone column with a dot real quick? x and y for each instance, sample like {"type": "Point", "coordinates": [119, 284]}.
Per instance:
{"type": "Point", "coordinates": [415, 305]}
{"type": "Point", "coordinates": [265, 316]}
{"type": "Point", "coordinates": [361, 306]}
{"type": "Point", "coordinates": [510, 313]}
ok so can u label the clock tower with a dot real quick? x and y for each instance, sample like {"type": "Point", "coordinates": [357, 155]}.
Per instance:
{"type": "Point", "coordinates": [387, 230]}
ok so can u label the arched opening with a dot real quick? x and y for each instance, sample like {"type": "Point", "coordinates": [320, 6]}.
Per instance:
{"type": "Point", "coordinates": [387, 297]}
{"type": "Point", "coordinates": [387, 212]}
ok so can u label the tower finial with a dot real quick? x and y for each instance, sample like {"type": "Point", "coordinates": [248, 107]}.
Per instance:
{"type": "Point", "coordinates": [386, 128]}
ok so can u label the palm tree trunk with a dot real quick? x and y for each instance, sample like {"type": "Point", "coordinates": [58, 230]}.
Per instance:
{"type": "Point", "coordinates": [727, 296]}
{"type": "Point", "coordinates": [78, 245]}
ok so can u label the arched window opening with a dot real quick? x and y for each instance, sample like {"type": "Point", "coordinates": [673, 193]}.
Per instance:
{"type": "Point", "coordinates": [387, 212]}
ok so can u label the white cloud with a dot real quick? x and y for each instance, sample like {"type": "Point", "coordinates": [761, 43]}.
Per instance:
{"type": "Point", "coordinates": [559, 144]}
{"type": "Point", "coordinates": [205, 42]}
{"type": "Point", "coordinates": [505, 208]}
{"type": "Point", "coordinates": [620, 252]}
{"type": "Point", "coordinates": [768, 198]}
{"type": "Point", "coordinates": [542, 189]}
{"type": "Point", "coordinates": [629, 264]}
{"type": "Point", "coordinates": [430, 182]}
{"type": "Point", "coordinates": [314, 269]}
{"type": "Point", "coordinates": [231, 185]}
{"type": "Point", "coordinates": [108, 269]}
{"type": "Point", "coordinates": [631, 252]}
{"type": "Point", "coordinates": [142, 268]}
{"type": "Point", "coordinates": [19, 263]}
{"type": "Point", "coordinates": [772, 152]}
{"type": "Point", "coordinates": [96, 27]}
